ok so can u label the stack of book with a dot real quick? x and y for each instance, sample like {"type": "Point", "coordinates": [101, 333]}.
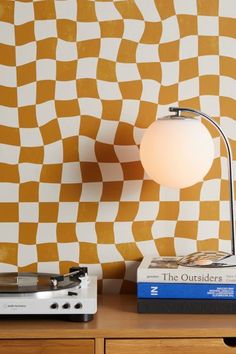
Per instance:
{"type": "Point", "coordinates": [165, 286]}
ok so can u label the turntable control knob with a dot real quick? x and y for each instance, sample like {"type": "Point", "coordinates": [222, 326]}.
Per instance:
{"type": "Point", "coordinates": [66, 306]}
{"type": "Point", "coordinates": [54, 306]}
{"type": "Point", "coordinates": [78, 305]}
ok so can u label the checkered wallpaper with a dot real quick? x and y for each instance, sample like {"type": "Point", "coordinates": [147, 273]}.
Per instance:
{"type": "Point", "coordinates": [80, 81]}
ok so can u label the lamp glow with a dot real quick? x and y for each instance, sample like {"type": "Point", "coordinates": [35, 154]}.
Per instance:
{"type": "Point", "coordinates": [177, 152]}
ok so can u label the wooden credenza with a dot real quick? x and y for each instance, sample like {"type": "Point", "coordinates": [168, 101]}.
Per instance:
{"type": "Point", "coordinates": [118, 329]}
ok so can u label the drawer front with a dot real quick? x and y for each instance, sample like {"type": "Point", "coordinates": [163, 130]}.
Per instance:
{"type": "Point", "coordinates": [47, 346]}
{"type": "Point", "coordinates": [169, 346]}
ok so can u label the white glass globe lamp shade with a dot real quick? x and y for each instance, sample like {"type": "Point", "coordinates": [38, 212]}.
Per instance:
{"type": "Point", "coordinates": [177, 152]}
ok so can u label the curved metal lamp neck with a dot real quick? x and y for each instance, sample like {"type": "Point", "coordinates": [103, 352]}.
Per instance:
{"type": "Point", "coordinates": [178, 111]}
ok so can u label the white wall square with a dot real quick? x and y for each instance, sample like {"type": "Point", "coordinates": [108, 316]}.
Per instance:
{"type": "Point", "coordinates": [23, 12]}
{"type": "Point", "coordinates": [224, 210]}
{"type": "Point", "coordinates": [9, 116]}
{"type": "Point", "coordinates": [49, 192]}
{"type": "Point", "coordinates": [123, 232]}
{"type": "Point", "coordinates": [133, 29]}
{"type": "Point", "coordinates": [26, 95]}
{"type": "Point", "coordinates": [188, 47]}
{"type": "Point", "coordinates": [45, 112]}
{"type": "Point", "coordinates": [87, 68]}
{"type": "Point", "coordinates": [169, 194]}
{"type": "Point", "coordinates": [108, 90]}
{"type": "Point", "coordinates": [30, 137]}
{"type": "Point", "coordinates": [68, 212]}
{"type": "Point", "coordinates": [29, 172]}
{"type": "Point", "coordinates": [45, 29]}
{"type": "Point", "coordinates": [94, 269]}
{"type": "Point", "coordinates": [7, 75]}
{"type": "Point", "coordinates": [107, 211]}
{"type": "Point", "coordinates": [163, 229]}
{"type": "Point", "coordinates": [150, 91]}
{"type": "Point", "coordinates": [9, 154]}
{"type": "Point", "coordinates": [109, 48]}
{"type": "Point", "coordinates": [46, 233]}
{"type": "Point", "coordinates": [85, 232]}
{"type": "Point", "coordinates": [189, 211]}
{"type": "Point", "coordinates": [147, 248]}
{"type": "Point", "coordinates": [108, 253]}
{"type": "Point", "coordinates": [91, 192]}
{"type": "Point", "coordinates": [69, 126]}
{"type": "Point", "coordinates": [170, 73]}
{"type": "Point", "coordinates": [127, 153]}
{"type": "Point", "coordinates": [71, 173]}
{"type": "Point", "coordinates": [45, 69]}
{"type": "Point", "coordinates": [107, 131]}
{"type": "Point", "coordinates": [184, 246]}
{"type": "Point", "coordinates": [25, 53]}
{"type": "Point", "coordinates": [170, 30]}
{"type": "Point", "coordinates": [27, 254]}
{"type": "Point", "coordinates": [9, 192]}
{"type": "Point", "coordinates": [227, 8]}
{"type": "Point", "coordinates": [189, 89]}
{"type": "Point", "coordinates": [87, 149]}
{"type": "Point", "coordinates": [90, 106]}
{"type": "Point", "coordinates": [224, 167]}
{"type": "Point", "coordinates": [229, 127]}
{"type": "Point", "coordinates": [227, 87]}
{"type": "Point", "coordinates": [211, 190]}
{"type": "Point", "coordinates": [66, 51]}
{"type": "Point", "coordinates": [129, 111]}
{"type": "Point", "coordinates": [127, 72]}
{"type": "Point", "coordinates": [111, 172]}
{"type": "Point", "coordinates": [225, 245]}
{"type": "Point", "coordinates": [65, 90]}
{"type": "Point", "coordinates": [209, 65]}
{"type": "Point", "coordinates": [208, 229]}
{"type": "Point", "coordinates": [7, 33]}
{"type": "Point", "coordinates": [147, 211]}
{"type": "Point", "coordinates": [88, 30]}
{"type": "Point", "coordinates": [131, 190]}
{"type": "Point", "coordinates": [9, 232]}
{"type": "Point", "coordinates": [138, 134]}
{"type": "Point", "coordinates": [185, 7]}
{"type": "Point", "coordinates": [148, 10]}
{"type": "Point", "coordinates": [28, 212]}
{"type": "Point", "coordinates": [68, 252]}
{"type": "Point", "coordinates": [66, 9]}
{"type": "Point", "coordinates": [53, 153]}
{"type": "Point", "coordinates": [227, 46]}
{"type": "Point", "coordinates": [208, 25]}
{"type": "Point", "coordinates": [147, 53]}
{"type": "Point", "coordinates": [106, 11]}
{"type": "Point", "coordinates": [211, 105]}
{"type": "Point", "coordinates": [48, 267]}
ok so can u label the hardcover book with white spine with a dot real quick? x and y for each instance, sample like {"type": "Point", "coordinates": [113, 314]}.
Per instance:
{"type": "Point", "coordinates": [168, 270]}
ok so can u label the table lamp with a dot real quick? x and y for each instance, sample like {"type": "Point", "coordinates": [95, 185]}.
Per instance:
{"type": "Point", "coordinates": [177, 151]}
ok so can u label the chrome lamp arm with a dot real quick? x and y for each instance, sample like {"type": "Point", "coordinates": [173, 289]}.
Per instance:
{"type": "Point", "coordinates": [177, 111]}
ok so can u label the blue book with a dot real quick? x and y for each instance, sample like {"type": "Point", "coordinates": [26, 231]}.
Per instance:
{"type": "Point", "coordinates": [185, 291]}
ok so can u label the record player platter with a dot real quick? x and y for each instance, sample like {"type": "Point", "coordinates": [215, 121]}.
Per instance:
{"type": "Point", "coordinates": [73, 294]}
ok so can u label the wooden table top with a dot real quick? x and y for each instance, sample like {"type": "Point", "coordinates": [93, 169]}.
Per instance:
{"type": "Point", "coordinates": [117, 317]}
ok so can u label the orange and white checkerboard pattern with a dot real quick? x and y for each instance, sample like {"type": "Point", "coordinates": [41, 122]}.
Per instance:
{"type": "Point", "coordinates": [80, 81]}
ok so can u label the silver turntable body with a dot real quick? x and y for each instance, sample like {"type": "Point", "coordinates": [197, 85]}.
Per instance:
{"type": "Point", "coordinates": [73, 294]}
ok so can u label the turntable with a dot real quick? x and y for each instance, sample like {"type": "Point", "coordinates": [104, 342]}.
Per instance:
{"type": "Point", "coordinates": [73, 294]}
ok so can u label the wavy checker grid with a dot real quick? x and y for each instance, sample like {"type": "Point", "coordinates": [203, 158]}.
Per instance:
{"type": "Point", "coordinates": [79, 83]}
